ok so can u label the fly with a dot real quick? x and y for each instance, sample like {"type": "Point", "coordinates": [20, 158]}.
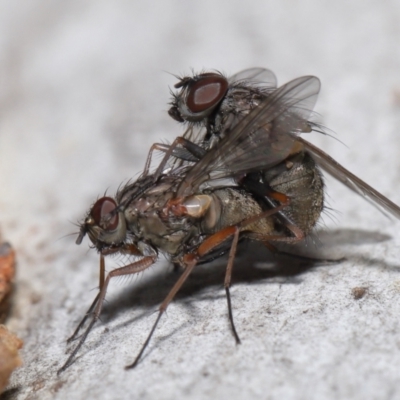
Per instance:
{"type": "Point", "coordinates": [191, 214]}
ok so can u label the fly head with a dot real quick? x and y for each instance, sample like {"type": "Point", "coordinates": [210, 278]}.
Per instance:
{"type": "Point", "coordinates": [198, 97]}
{"type": "Point", "coordinates": [104, 224]}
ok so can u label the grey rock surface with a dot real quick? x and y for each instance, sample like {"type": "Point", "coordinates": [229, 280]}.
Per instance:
{"type": "Point", "coordinates": [83, 95]}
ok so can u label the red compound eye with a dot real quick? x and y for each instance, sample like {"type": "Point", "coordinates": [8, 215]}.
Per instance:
{"type": "Point", "coordinates": [207, 92]}
{"type": "Point", "coordinates": [101, 208]}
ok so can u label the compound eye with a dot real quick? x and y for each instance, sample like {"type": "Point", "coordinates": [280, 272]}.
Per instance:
{"type": "Point", "coordinates": [206, 92]}
{"type": "Point", "coordinates": [103, 207]}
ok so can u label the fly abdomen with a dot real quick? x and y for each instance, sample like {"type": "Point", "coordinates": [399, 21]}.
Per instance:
{"type": "Point", "coordinates": [299, 178]}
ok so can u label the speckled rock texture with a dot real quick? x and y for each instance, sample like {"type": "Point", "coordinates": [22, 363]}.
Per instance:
{"type": "Point", "coordinates": [84, 90]}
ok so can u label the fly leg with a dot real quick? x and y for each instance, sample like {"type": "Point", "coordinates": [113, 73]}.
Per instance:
{"type": "Point", "coordinates": [188, 151]}
{"type": "Point", "coordinates": [231, 257]}
{"type": "Point", "coordinates": [193, 153]}
{"type": "Point", "coordinates": [96, 306]}
{"type": "Point", "coordinates": [93, 305]}
{"type": "Point", "coordinates": [154, 147]}
{"type": "Point", "coordinates": [252, 183]}
{"type": "Point", "coordinates": [163, 307]}
{"type": "Point", "coordinates": [227, 282]}
{"type": "Point", "coordinates": [129, 249]}
{"type": "Point", "coordinates": [190, 260]}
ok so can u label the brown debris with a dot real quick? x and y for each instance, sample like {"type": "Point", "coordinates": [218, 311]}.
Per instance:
{"type": "Point", "coordinates": [359, 292]}
{"type": "Point", "coordinates": [9, 357]}
{"type": "Point", "coordinates": [7, 273]}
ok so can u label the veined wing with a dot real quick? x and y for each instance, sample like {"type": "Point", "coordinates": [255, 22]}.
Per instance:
{"type": "Point", "coordinates": [258, 76]}
{"type": "Point", "coordinates": [332, 167]}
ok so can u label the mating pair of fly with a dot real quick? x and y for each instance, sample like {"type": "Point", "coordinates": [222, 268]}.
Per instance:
{"type": "Point", "coordinates": [239, 171]}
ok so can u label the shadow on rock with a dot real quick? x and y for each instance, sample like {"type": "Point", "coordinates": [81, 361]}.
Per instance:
{"type": "Point", "coordinates": [254, 263]}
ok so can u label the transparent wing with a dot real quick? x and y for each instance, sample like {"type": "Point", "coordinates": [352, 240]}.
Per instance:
{"type": "Point", "coordinates": [262, 139]}
{"type": "Point", "coordinates": [195, 133]}
{"type": "Point", "coordinates": [332, 167]}
{"type": "Point", "coordinates": [257, 76]}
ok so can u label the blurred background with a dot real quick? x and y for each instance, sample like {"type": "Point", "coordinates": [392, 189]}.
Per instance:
{"type": "Point", "coordinates": [84, 92]}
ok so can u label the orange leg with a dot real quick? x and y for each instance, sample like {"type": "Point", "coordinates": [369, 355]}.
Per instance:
{"type": "Point", "coordinates": [190, 260]}
{"type": "Point", "coordinates": [163, 307]}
